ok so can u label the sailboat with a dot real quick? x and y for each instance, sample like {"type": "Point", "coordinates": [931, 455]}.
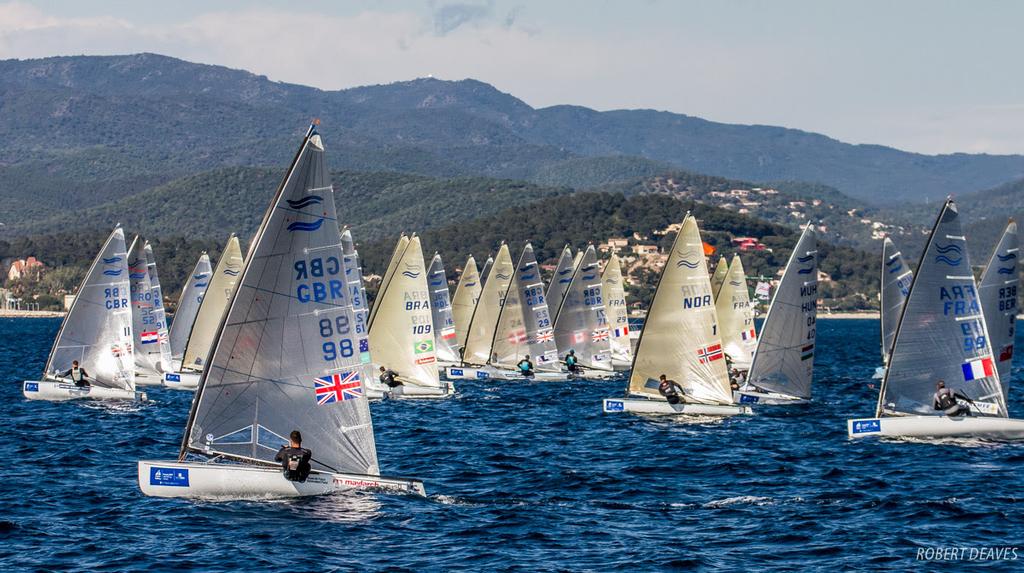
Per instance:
{"type": "Point", "coordinates": [97, 332]}
{"type": "Point", "coordinates": [467, 293]}
{"type": "Point", "coordinates": [402, 334]}
{"type": "Point", "coordinates": [277, 366]}
{"type": "Point", "coordinates": [188, 308]}
{"type": "Point", "coordinates": [736, 316]}
{"type": "Point", "coordinates": [895, 284]}
{"type": "Point", "coordinates": [152, 354]}
{"type": "Point", "coordinates": [356, 294]}
{"type": "Point", "coordinates": [617, 311]}
{"type": "Point", "coordinates": [998, 293]}
{"type": "Point", "coordinates": [445, 345]}
{"type": "Point", "coordinates": [942, 335]}
{"type": "Point", "coordinates": [783, 365]}
{"type": "Point", "coordinates": [680, 340]}
{"type": "Point", "coordinates": [561, 278]}
{"type": "Point", "coordinates": [477, 352]}
{"type": "Point", "coordinates": [581, 323]}
{"type": "Point", "coordinates": [718, 279]}
{"type": "Point", "coordinates": [215, 302]}
{"type": "Point", "coordinates": [396, 255]}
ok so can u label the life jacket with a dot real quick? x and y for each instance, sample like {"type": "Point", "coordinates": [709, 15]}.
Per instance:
{"type": "Point", "coordinates": [296, 468]}
{"type": "Point", "coordinates": [526, 366]}
{"type": "Point", "coordinates": [667, 388]}
{"type": "Point", "coordinates": [77, 374]}
{"type": "Point", "coordinates": [944, 399]}
{"type": "Point", "coordinates": [570, 360]}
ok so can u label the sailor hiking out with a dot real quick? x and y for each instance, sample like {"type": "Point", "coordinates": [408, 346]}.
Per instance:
{"type": "Point", "coordinates": [670, 389]}
{"type": "Point", "coordinates": [525, 366]}
{"type": "Point", "coordinates": [77, 374]}
{"type": "Point", "coordinates": [946, 400]}
{"type": "Point", "coordinates": [572, 363]}
{"type": "Point", "coordinates": [294, 458]}
{"type": "Point", "coordinates": [389, 377]}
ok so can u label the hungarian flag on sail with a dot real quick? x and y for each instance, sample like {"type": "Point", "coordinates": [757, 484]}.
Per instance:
{"type": "Point", "coordinates": [623, 331]}
{"type": "Point", "coordinates": [748, 334]}
{"type": "Point", "coordinates": [710, 353]}
{"type": "Point", "coordinates": [600, 334]}
{"type": "Point", "coordinates": [338, 388]}
{"type": "Point", "coordinates": [807, 352]}
{"type": "Point", "coordinates": [149, 337]}
{"type": "Point", "coordinates": [980, 368]}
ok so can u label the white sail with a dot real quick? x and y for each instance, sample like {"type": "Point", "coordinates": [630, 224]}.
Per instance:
{"type": "Point", "coordinates": [942, 333]}
{"type": "Point", "coordinates": [581, 323]}
{"type": "Point", "coordinates": [560, 279]}
{"type": "Point", "coordinates": [277, 364]}
{"type": "Point", "coordinates": [144, 322]}
{"type": "Point", "coordinates": [896, 279]}
{"type": "Point", "coordinates": [998, 293]}
{"type": "Point", "coordinates": [784, 359]}
{"type": "Point", "coordinates": [441, 310]}
{"type": "Point", "coordinates": [357, 295]}
{"type": "Point", "coordinates": [97, 331]}
{"type": "Point", "coordinates": [736, 316]}
{"type": "Point", "coordinates": [159, 312]}
{"type": "Point", "coordinates": [485, 317]}
{"type": "Point", "coordinates": [467, 293]}
{"type": "Point", "coordinates": [680, 337]}
{"type": "Point", "coordinates": [400, 246]}
{"type": "Point", "coordinates": [188, 306]}
{"type": "Point", "coordinates": [215, 303]}
{"type": "Point", "coordinates": [617, 311]}
{"type": "Point", "coordinates": [402, 336]}
{"type": "Point", "coordinates": [524, 323]}
{"type": "Point", "coordinates": [486, 271]}
{"type": "Point", "coordinates": [718, 279]}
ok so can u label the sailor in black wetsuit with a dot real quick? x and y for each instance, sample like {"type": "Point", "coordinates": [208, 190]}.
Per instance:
{"type": "Point", "coordinates": [525, 366]}
{"type": "Point", "coordinates": [670, 389]}
{"type": "Point", "coordinates": [946, 400]}
{"type": "Point", "coordinates": [77, 375]}
{"type": "Point", "coordinates": [294, 458]}
{"type": "Point", "coordinates": [389, 378]}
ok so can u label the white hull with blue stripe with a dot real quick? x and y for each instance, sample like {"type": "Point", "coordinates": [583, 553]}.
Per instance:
{"type": "Point", "coordinates": [662, 407]}
{"type": "Point", "coordinates": [181, 380]}
{"type": "Point", "coordinates": [237, 481]}
{"type": "Point", "coordinates": [62, 390]}
{"type": "Point", "coordinates": [407, 391]}
{"type": "Point", "coordinates": [989, 427]}
{"type": "Point", "coordinates": [491, 373]}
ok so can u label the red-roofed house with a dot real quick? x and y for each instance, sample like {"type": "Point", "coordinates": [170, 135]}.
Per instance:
{"type": "Point", "coordinates": [25, 267]}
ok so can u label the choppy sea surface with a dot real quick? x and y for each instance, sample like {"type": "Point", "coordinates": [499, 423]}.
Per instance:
{"type": "Point", "coordinates": [521, 477]}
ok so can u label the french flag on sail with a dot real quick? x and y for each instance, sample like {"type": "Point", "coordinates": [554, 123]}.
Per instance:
{"type": "Point", "coordinates": [624, 331]}
{"type": "Point", "coordinates": [748, 334]}
{"type": "Point", "coordinates": [980, 368]}
{"type": "Point", "coordinates": [149, 337]}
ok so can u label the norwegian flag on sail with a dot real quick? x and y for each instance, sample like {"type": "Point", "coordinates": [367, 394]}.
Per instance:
{"type": "Point", "coordinates": [710, 353]}
{"type": "Point", "coordinates": [748, 334]}
{"type": "Point", "coordinates": [980, 368]}
{"type": "Point", "coordinates": [600, 335]}
{"type": "Point", "coordinates": [337, 388]}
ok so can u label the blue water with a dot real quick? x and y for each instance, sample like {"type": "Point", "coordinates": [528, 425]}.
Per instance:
{"type": "Point", "coordinates": [521, 477]}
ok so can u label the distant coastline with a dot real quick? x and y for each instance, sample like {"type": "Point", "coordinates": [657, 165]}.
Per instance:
{"type": "Point", "coordinates": [31, 313]}
{"type": "Point", "coordinates": [850, 314]}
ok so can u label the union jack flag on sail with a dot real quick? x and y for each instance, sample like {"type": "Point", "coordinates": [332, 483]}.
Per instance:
{"type": "Point", "coordinates": [601, 334]}
{"type": "Point", "coordinates": [545, 336]}
{"type": "Point", "coordinates": [338, 387]}
{"type": "Point", "coordinates": [710, 353]}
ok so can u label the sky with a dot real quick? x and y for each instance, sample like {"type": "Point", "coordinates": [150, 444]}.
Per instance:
{"type": "Point", "coordinates": [931, 76]}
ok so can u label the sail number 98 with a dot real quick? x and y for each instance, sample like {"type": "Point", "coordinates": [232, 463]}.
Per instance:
{"type": "Point", "coordinates": [337, 327]}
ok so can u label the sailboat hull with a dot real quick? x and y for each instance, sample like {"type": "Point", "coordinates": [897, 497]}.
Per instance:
{"type": "Point", "coordinates": [181, 380]}
{"type": "Point", "coordinates": [60, 391]}
{"type": "Point", "coordinates": [766, 398]}
{"type": "Point", "coordinates": [226, 481]}
{"type": "Point", "coordinates": [643, 406]}
{"type": "Point", "coordinates": [491, 373]}
{"type": "Point", "coordinates": [148, 378]}
{"type": "Point", "coordinates": [936, 427]}
{"type": "Point", "coordinates": [377, 391]}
